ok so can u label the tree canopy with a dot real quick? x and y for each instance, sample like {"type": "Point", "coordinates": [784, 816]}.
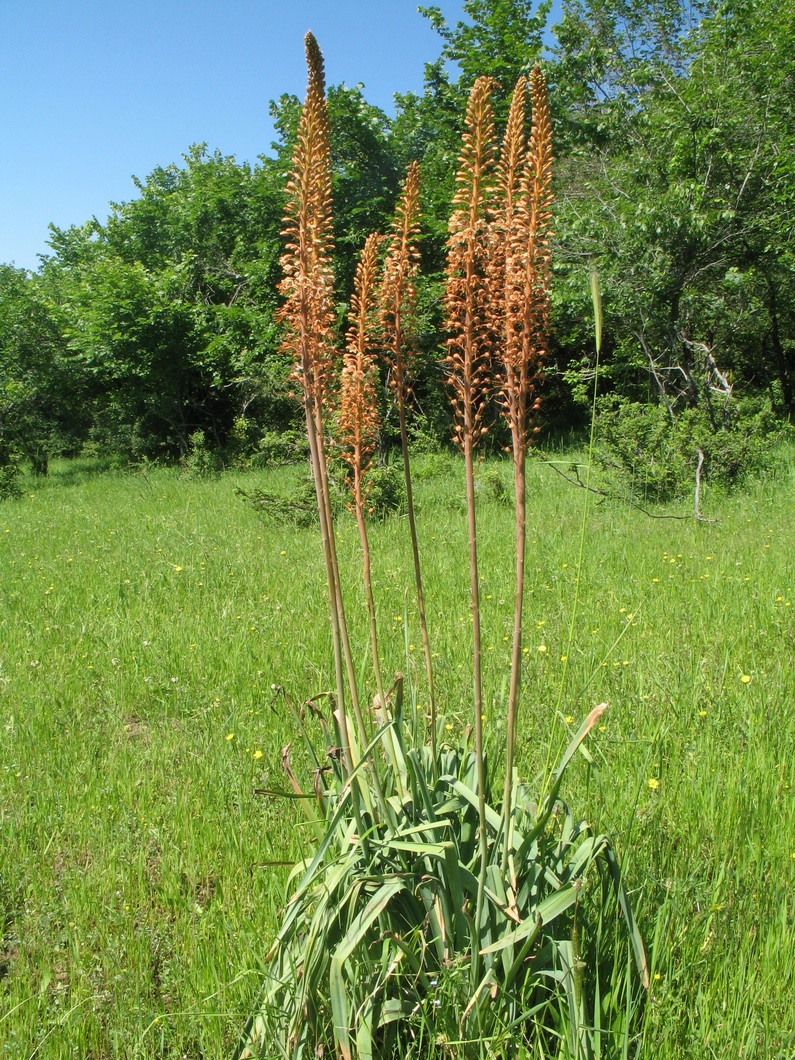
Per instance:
{"type": "Point", "coordinates": [673, 132]}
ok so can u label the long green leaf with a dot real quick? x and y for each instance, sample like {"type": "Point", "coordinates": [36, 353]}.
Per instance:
{"type": "Point", "coordinates": [547, 911]}
{"type": "Point", "coordinates": [360, 925]}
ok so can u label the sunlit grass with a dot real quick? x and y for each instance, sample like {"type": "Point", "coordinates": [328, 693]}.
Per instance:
{"type": "Point", "coordinates": [143, 621]}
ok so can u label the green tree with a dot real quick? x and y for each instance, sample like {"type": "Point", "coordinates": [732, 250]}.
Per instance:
{"type": "Point", "coordinates": [678, 191]}
{"type": "Point", "coordinates": [170, 305]}
{"type": "Point", "coordinates": [42, 406]}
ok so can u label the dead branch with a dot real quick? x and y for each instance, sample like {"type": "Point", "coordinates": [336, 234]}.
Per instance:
{"type": "Point", "coordinates": [577, 481]}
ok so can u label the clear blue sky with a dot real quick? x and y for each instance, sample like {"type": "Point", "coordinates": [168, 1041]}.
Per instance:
{"type": "Point", "coordinates": [94, 91]}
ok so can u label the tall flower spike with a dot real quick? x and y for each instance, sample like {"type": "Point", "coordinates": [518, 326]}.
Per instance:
{"type": "Point", "coordinates": [469, 372]}
{"type": "Point", "coordinates": [308, 314]}
{"type": "Point", "coordinates": [534, 233]}
{"type": "Point", "coordinates": [525, 308]}
{"type": "Point", "coordinates": [397, 311]}
{"type": "Point", "coordinates": [398, 291]}
{"type": "Point", "coordinates": [308, 279]}
{"type": "Point", "coordinates": [358, 416]}
{"type": "Point", "coordinates": [467, 294]}
{"type": "Point", "coordinates": [507, 200]}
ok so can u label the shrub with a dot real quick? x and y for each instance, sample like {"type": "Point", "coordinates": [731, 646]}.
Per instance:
{"type": "Point", "coordinates": [200, 460]}
{"type": "Point", "coordinates": [298, 507]}
{"type": "Point", "coordinates": [279, 448]}
{"type": "Point", "coordinates": [386, 495]}
{"type": "Point", "coordinates": [9, 479]}
{"type": "Point", "coordinates": [654, 455]}
{"type": "Point", "coordinates": [491, 487]}
{"type": "Point", "coordinates": [385, 490]}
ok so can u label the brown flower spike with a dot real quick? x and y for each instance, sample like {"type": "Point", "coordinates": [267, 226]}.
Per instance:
{"type": "Point", "coordinates": [398, 300]}
{"type": "Point", "coordinates": [398, 292]}
{"type": "Point", "coordinates": [358, 416]}
{"type": "Point", "coordinates": [467, 293]}
{"type": "Point", "coordinates": [308, 314]}
{"type": "Point", "coordinates": [468, 322]}
{"type": "Point", "coordinates": [308, 280]}
{"type": "Point", "coordinates": [521, 319]}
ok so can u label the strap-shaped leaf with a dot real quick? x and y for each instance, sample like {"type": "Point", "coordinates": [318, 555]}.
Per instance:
{"type": "Point", "coordinates": [368, 915]}
{"type": "Point", "coordinates": [547, 911]}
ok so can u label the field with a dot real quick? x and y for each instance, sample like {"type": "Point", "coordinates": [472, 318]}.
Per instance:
{"type": "Point", "coordinates": [147, 622]}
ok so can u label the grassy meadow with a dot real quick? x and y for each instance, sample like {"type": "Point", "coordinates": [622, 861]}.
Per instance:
{"type": "Point", "coordinates": [147, 622]}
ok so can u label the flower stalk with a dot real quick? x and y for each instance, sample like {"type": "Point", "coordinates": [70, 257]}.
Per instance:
{"type": "Point", "coordinates": [467, 298]}
{"type": "Point", "coordinates": [358, 417]}
{"type": "Point", "coordinates": [397, 305]}
{"type": "Point", "coordinates": [523, 231]}
{"type": "Point", "coordinates": [308, 313]}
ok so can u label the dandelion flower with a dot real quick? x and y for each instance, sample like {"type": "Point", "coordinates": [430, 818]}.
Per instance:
{"type": "Point", "coordinates": [229, 736]}
{"type": "Point", "coordinates": [745, 678]}
{"type": "Point", "coordinates": [653, 783]}
{"type": "Point", "coordinates": [543, 648]}
{"type": "Point", "coordinates": [257, 754]}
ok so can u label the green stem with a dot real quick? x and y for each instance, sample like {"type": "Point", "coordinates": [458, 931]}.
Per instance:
{"type": "Point", "coordinates": [596, 296]}
{"type": "Point", "coordinates": [368, 591]}
{"type": "Point", "coordinates": [343, 625]}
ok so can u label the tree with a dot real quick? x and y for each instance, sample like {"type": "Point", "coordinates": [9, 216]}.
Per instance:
{"type": "Point", "coordinates": [680, 192]}
{"type": "Point", "coordinates": [170, 304]}
{"type": "Point", "coordinates": [41, 406]}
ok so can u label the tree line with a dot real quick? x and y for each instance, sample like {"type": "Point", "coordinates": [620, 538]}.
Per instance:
{"type": "Point", "coordinates": [157, 329]}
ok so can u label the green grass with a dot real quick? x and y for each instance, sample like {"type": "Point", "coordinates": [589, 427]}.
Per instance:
{"type": "Point", "coordinates": [143, 622]}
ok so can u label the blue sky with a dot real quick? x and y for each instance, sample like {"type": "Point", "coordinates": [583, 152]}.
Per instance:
{"type": "Point", "coordinates": [94, 91]}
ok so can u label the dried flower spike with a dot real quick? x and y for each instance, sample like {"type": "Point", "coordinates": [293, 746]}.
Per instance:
{"type": "Point", "coordinates": [358, 416]}
{"type": "Point", "coordinates": [308, 311]}
{"type": "Point", "coordinates": [398, 292]}
{"type": "Point", "coordinates": [467, 293]}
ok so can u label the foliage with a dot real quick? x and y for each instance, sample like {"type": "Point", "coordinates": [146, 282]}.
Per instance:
{"type": "Point", "coordinates": [384, 491]}
{"type": "Point", "coordinates": [276, 448]}
{"type": "Point", "coordinates": [297, 507]}
{"type": "Point", "coordinates": [656, 455]}
{"type": "Point", "coordinates": [10, 485]}
{"type": "Point", "coordinates": [41, 400]}
{"type": "Point", "coordinates": [383, 488]}
{"type": "Point", "coordinates": [199, 460]}
{"type": "Point", "coordinates": [673, 134]}
{"type": "Point", "coordinates": [168, 307]}
{"type": "Point", "coordinates": [688, 118]}
{"type": "Point", "coordinates": [370, 959]}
